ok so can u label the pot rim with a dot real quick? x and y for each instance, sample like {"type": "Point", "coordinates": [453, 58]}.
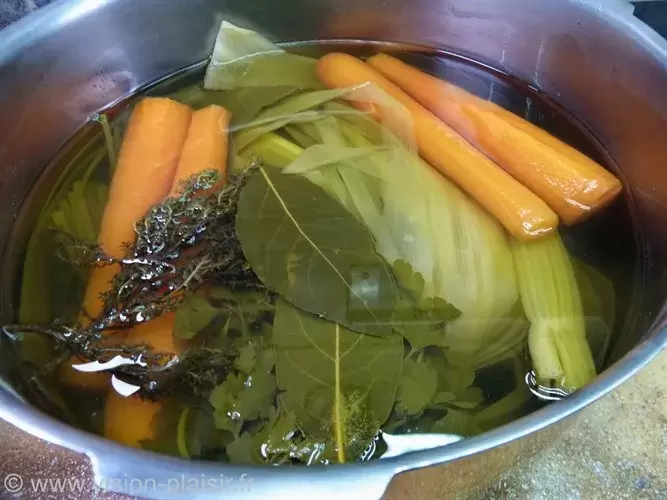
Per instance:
{"type": "Point", "coordinates": [49, 19]}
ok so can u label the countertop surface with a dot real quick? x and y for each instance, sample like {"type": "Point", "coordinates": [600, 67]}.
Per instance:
{"type": "Point", "coordinates": [617, 448]}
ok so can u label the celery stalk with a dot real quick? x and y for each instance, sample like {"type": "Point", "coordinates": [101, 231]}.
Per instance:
{"type": "Point", "coordinates": [552, 302]}
{"type": "Point", "coordinates": [272, 149]}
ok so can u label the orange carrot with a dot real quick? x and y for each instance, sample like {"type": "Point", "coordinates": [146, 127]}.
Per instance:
{"type": "Point", "coordinates": [206, 145]}
{"type": "Point", "coordinates": [130, 420]}
{"type": "Point", "coordinates": [570, 182]}
{"type": "Point", "coordinates": [519, 210]}
{"type": "Point", "coordinates": [144, 174]}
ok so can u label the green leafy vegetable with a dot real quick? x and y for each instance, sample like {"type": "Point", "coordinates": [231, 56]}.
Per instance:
{"type": "Point", "coordinates": [240, 451]}
{"type": "Point", "coordinates": [422, 321]}
{"type": "Point", "coordinates": [418, 387]}
{"type": "Point", "coordinates": [330, 374]}
{"type": "Point", "coordinates": [304, 245]}
{"type": "Point", "coordinates": [192, 316]}
{"type": "Point", "coordinates": [246, 397]}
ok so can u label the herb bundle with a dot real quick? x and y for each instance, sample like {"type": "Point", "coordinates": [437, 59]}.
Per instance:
{"type": "Point", "coordinates": [180, 244]}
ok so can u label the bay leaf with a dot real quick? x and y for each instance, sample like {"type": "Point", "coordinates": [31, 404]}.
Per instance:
{"type": "Point", "coordinates": [329, 373]}
{"type": "Point", "coordinates": [244, 58]}
{"type": "Point", "coordinates": [307, 247]}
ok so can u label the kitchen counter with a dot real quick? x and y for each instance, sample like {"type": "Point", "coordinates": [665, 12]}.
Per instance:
{"type": "Point", "coordinates": [617, 448]}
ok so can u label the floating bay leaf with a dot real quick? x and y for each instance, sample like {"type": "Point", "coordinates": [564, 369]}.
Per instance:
{"type": "Point", "coordinates": [328, 373]}
{"type": "Point", "coordinates": [244, 58]}
{"type": "Point", "coordinates": [304, 245]}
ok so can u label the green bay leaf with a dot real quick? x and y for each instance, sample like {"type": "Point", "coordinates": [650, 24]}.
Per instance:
{"type": "Point", "coordinates": [244, 58]}
{"type": "Point", "coordinates": [340, 385]}
{"type": "Point", "coordinates": [306, 246]}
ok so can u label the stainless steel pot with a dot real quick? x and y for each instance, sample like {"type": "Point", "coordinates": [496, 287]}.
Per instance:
{"type": "Point", "coordinates": [60, 65]}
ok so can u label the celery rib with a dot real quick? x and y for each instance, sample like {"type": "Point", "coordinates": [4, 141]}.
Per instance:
{"type": "Point", "coordinates": [552, 302]}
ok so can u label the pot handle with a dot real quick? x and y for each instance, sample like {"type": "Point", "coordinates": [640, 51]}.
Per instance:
{"type": "Point", "coordinates": [143, 474]}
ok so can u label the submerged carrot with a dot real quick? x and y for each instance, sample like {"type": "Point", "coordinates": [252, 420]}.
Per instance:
{"type": "Point", "coordinates": [519, 210]}
{"type": "Point", "coordinates": [144, 174]}
{"type": "Point", "coordinates": [130, 420]}
{"type": "Point", "coordinates": [206, 145]}
{"type": "Point", "coordinates": [570, 182]}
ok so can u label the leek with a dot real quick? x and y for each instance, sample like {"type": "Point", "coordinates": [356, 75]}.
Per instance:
{"type": "Point", "coordinates": [414, 214]}
{"type": "Point", "coordinates": [550, 295]}
{"type": "Point", "coordinates": [420, 217]}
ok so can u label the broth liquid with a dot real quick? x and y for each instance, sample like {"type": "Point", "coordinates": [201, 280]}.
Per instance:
{"type": "Point", "coordinates": [607, 242]}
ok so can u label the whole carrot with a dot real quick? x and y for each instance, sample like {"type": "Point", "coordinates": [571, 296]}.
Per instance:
{"type": "Point", "coordinates": [519, 210]}
{"type": "Point", "coordinates": [146, 166]}
{"type": "Point", "coordinates": [144, 173]}
{"type": "Point", "coordinates": [206, 146]}
{"type": "Point", "coordinates": [570, 182]}
{"type": "Point", "coordinates": [131, 420]}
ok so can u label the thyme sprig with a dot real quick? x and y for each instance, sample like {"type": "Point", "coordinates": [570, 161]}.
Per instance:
{"type": "Point", "coordinates": [182, 243]}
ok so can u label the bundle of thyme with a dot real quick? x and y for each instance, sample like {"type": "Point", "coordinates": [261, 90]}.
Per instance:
{"type": "Point", "coordinates": [182, 243]}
